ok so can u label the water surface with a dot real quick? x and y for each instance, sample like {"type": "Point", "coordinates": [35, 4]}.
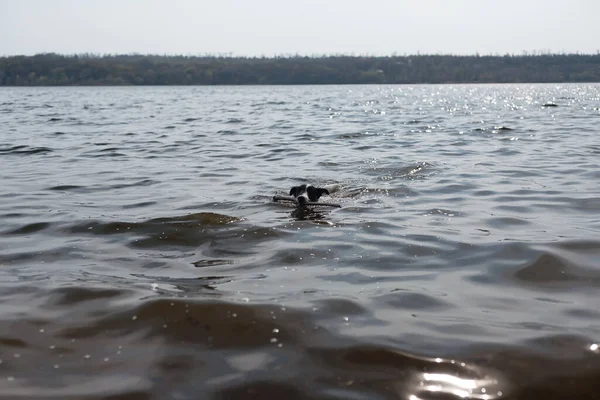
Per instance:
{"type": "Point", "coordinates": [141, 256]}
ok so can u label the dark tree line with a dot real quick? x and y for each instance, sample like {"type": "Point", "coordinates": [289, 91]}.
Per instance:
{"type": "Point", "coordinates": [61, 70]}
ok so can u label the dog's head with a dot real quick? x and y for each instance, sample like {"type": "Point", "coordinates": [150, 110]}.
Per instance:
{"type": "Point", "coordinates": [307, 193]}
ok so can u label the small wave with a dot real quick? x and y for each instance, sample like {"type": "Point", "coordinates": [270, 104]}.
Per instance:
{"type": "Point", "coordinates": [549, 269]}
{"type": "Point", "coordinates": [410, 171]}
{"type": "Point", "coordinates": [186, 230]}
{"type": "Point", "coordinates": [211, 263]}
{"type": "Point", "coordinates": [66, 188]}
{"type": "Point", "coordinates": [234, 121]}
{"type": "Point", "coordinates": [29, 228]}
{"type": "Point", "coordinates": [102, 154]}
{"type": "Point", "coordinates": [71, 296]}
{"type": "Point", "coordinates": [139, 205]}
{"type": "Point", "coordinates": [101, 188]}
{"type": "Point", "coordinates": [48, 256]}
{"type": "Point", "coordinates": [143, 182]}
{"type": "Point", "coordinates": [25, 150]}
{"type": "Point", "coordinates": [407, 300]}
{"type": "Point", "coordinates": [506, 222]}
{"type": "Point", "coordinates": [443, 212]}
{"type": "Point", "coordinates": [269, 103]}
{"type": "Point", "coordinates": [590, 204]}
{"type": "Point", "coordinates": [203, 218]}
{"type": "Point", "coordinates": [304, 136]}
{"type": "Point", "coordinates": [355, 135]}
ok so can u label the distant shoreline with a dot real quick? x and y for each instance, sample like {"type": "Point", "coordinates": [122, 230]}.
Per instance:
{"type": "Point", "coordinates": [152, 70]}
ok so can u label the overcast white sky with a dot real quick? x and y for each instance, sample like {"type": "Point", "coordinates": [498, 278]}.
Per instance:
{"type": "Point", "coordinates": [270, 27]}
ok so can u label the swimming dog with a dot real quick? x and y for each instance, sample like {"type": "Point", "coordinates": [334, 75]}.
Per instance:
{"type": "Point", "coordinates": [307, 193]}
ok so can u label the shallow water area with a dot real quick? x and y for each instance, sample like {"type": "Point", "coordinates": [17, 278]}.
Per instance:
{"type": "Point", "coordinates": [142, 256]}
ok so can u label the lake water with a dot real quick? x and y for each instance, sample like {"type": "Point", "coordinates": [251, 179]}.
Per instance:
{"type": "Point", "coordinates": [142, 256]}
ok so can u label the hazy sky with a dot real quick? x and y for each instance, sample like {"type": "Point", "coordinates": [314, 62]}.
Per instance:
{"type": "Point", "coordinates": [269, 27]}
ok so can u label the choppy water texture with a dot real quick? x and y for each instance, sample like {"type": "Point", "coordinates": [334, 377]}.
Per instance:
{"type": "Point", "coordinates": [141, 256]}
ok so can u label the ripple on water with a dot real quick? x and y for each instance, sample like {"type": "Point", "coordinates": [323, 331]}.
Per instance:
{"type": "Point", "coordinates": [24, 150]}
{"type": "Point", "coordinates": [141, 255]}
{"type": "Point", "coordinates": [175, 338]}
{"type": "Point", "coordinates": [28, 228]}
{"type": "Point", "coordinates": [562, 268]}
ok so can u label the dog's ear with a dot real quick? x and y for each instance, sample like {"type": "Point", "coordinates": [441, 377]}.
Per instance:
{"type": "Point", "coordinates": [294, 191]}
{"type": "Point", "coordinates": [318, 192]}
{"type": "Point", "coordinates": [314, 193]}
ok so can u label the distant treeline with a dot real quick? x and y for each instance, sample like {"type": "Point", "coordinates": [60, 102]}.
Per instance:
{"type": "Point", "coordinates": [55, 69]}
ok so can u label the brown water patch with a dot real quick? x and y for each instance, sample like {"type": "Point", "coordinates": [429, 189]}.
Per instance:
{"type": "Point", "coordinates": [552, 270]}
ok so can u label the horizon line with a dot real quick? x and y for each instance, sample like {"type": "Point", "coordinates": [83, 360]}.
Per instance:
{"type": "Point", "coordinates": [299, 55]}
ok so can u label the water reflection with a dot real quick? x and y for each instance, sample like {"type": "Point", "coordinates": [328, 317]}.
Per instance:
{"type": "Point", "coordinates": [308, 214]}
{"type": "Point", "coordinates": [457, 380]}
